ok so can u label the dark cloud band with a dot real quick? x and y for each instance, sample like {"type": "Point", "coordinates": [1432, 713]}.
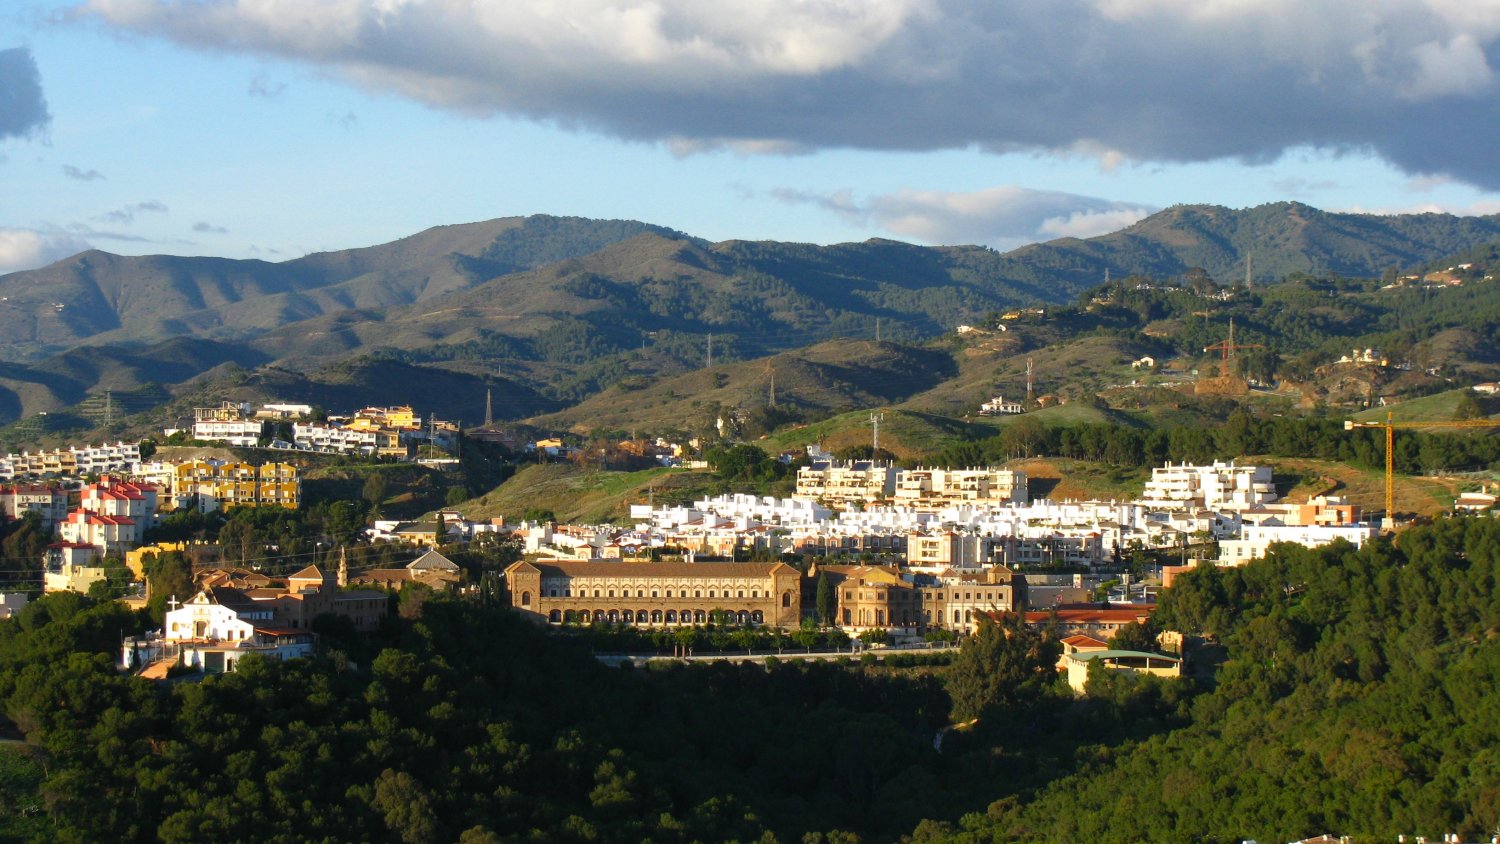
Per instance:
{"type": "Point", "coordinates": [1152, 80]}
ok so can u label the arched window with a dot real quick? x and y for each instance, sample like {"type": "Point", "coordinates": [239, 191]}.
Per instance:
{"type": "Point", "coordinates": [671, 616]}
{"type": "Point", "coordinates": [957, 617]}
{"type": "Point", "coordinates": [786, 599]}
{"type": "Point", "coordinates": [699, 616]}
{"type": "Point", "coordinates": [656, 616]}
{"type": "Point", "coordinates": [555, 616]}
{"type": "Point", "coordinates": [525, 599]}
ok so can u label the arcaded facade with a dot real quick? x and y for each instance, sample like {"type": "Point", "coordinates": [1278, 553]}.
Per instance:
{"type": "Point", "coordinates": [656, 594]}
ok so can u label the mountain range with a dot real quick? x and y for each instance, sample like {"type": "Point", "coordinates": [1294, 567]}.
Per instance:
{"type": "Point", "coordinates": [555, 309]}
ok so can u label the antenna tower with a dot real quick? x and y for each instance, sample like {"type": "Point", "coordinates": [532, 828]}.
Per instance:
{"type": "Point", "coordinates": [772, 370]}
{"type": "Point", "coordinates": [1030, 391]}
{"type": "Point", "coordinates": [109, 408]}
{"type": "Point", "coordinates": [710, 364]}
{"type": "Point", "coordinates": [875, 417]}
{"type": "Point", "coordinates": [489, 416]}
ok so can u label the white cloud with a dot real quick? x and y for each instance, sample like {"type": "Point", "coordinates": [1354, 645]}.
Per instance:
{"type": "Point", "coordinates": [26, 249]}
{"type": "Point", "coordinates": [1122, 80]}
{"type": "Point", "coordinates": [1004, 217]}
{"type": "Point", "coordinates": [1092, 223]}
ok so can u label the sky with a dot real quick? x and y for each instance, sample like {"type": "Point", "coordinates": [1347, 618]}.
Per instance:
{"type": "Point", "coordinates": [274, 128]}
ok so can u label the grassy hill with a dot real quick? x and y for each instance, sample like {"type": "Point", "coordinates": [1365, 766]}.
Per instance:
{"type": "Point", "coordinates": [820, 379]}
{"type": "Point", "coordinates": [904, 433]}
{"type": "Point", "coordinates": [576, 494]}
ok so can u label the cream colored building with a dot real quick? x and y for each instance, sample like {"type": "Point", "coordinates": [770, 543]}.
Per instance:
{"type": "Point", "coordinates": [839, 485]}
{"type": "Point", "coordinates": [656, 594]}
{"type": "Point", "coordinates": [1137, 662]}
{"type": "Point", "coordinates": [931, 490]}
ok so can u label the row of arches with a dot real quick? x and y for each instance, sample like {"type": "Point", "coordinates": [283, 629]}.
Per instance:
{"type": "Point", "coordinates": [655, 617]}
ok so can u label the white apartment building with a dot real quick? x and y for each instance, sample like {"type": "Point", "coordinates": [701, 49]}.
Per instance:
{"type": "Point", "coordinates": [935, 489]}
{"type": "Point", "coordinates": [71, 461]}
{"type": "Point", "coordinates": [1255, 540]}
{"type": "Point", "coordinates": [330, 438]}
{"type": "Point", "coordinates": [840, 485]}
{"type": "Point", "coordinates": [239, 432]}
{"type": "Point", "coordinates": [1219, 486]}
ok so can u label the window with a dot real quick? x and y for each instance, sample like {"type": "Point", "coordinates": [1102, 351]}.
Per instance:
{"type": "Point", "coordinates": [786, 599]}
{"type": "Point", "coordinates": [697, 593]}
{"type": "Point", "coordinates": [640, 593]}
{"type": "Point", "coordinates": [742, 593]}
{"type": "Point", "coordinates": [669, 593]}
{"type": "Point", "coordinates": [611, 593]}
{"type": "Point", "coordinates": [525, 599]}
{"type": "Point", "coordinates": [552, 593]}
{"type": "Point", "coordinates": [653, 593]}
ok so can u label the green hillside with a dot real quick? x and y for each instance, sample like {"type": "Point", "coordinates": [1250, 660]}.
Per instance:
{"type": "Point", "coordinates": [575, 494]}
{"type": "Point", "coordinates": [818, 380]}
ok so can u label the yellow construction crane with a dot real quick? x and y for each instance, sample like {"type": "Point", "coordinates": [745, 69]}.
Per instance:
{"type": "Point", "coordinates": [1390, 427]}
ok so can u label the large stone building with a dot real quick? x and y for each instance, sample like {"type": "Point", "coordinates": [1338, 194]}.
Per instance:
{"type": "Point", "coordinates": [656, 594]}
{"type": "Point", "coordinates": [871, 597]}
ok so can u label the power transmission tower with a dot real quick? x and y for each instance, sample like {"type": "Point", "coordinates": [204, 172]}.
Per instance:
{"type": "Point", "coordinates": [772, 371]}
{"type": "Point", "coordinates": [109, 408]}
{"type": "Point", "coordinates": [1030, 393]}
{"type": "Point", "coordinates": [489, 416]}
{"type": "Point", "coordinates": [710, 364]}
{"type": "Point", "coordinates": [875, 417]}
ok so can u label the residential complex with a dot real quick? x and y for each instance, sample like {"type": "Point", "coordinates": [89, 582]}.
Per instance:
{"type": "Point", "coordinates": [843, 484]}
{"type": "Point", "coordinates": [71, 462]}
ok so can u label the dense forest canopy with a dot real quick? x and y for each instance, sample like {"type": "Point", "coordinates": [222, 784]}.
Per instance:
{"type": "Point", "coordinates": [1355, 691]}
